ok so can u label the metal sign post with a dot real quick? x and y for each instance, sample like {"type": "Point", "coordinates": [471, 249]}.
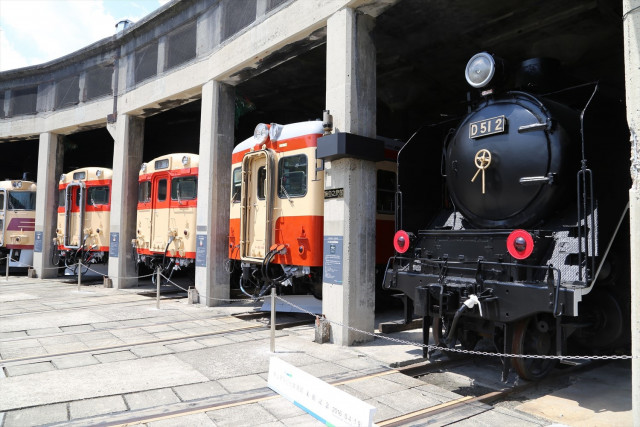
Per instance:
{"type": "Point", "coordinates": [7, 272]}
{"type": "Point", "coordinates": [273, 319]}
{"type": "Point", "coordinates": [158, 288]}
{"type": "Point", "coordinates": [79, 274]}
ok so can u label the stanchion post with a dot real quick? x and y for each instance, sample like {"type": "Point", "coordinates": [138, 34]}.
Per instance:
{"type": "Point", "coordinates": [7, 272]}
{"type": "Point", "coordinates": [273, 319]}
{"type": "Point", "coordinates": [79, 274]}
{"type": "Point", "coordinates": [158, 287]}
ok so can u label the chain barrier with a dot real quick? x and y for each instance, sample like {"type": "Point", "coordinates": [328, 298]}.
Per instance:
{"type": "Point", "coordinates": [431, 347]}
{"type": "Point", "coordinates": [214, 299]}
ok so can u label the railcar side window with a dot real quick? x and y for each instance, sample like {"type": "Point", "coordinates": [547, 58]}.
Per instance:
{"type": "Point", "coordinates": [386, 193]}
{"type": "Point", "coordinates": [262, 178]}
{"type": "Point", "coordinates": [184, 188]}
{"type": "Point", "coordinates": [98, 195]}
{"type": "Point", "coordinates": [22, 200]}
{"type": "Point", "coordinates": [236, 185]}
{"type": "Point", "coordinates": [162, 190]}
{"type": "Point", "coordinates": [292, 176]}
{"type": "Point", "coordinates": [1, 199]}
{"type": "Point", "coordinates": [144, 192]}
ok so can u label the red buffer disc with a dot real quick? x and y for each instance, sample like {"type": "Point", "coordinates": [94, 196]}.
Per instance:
{"type": "Point", "coordinates": [511, 244]}
{"type": "Point", "coordinates": [401, 241]}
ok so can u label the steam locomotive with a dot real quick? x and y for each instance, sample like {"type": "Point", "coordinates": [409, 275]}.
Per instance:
{"type": "Point", "coordinates": [527, 247]}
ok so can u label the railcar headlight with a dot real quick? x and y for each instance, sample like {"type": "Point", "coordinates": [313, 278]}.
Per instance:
{"type": "Point", "coordinates": [274, 131]}
{"type": "Point", "coordinates": [185, 160]}
{"type": "Point", "coordinates": [62, 178]}
{"type": "Point", "coordinates": [260, 133]}
{"type": "Point", "coordinates": [480, 70]}
{"type": "Point", "coordinates": [99, 173]}
{"type": "Point", "coordinates": [143, 167]}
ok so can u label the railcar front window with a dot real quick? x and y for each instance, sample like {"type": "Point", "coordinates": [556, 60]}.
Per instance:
{"type": "Point", "coordinates": [262, 178]}
{"type": "Point", "coordinates": [98, 196]}
{"type": "Point", "coordinates": [62, 197]}
{"type": "Point", "coordinates": [292, 176]}
{"type": "Point", "coordinates": [162, 190]}
{"type": "Point", "coordinates": [236, 185]}
{"type": "Point", "coordinates": [386, 193]}
{"type": "Point", "coordinates": [1, 200]}
{"type": "Point", "coordinates": [184, 188]}
{"type": "Point", "coordinates": [144, 192]}
{"type": "Point", "coordinates": [22, 200]}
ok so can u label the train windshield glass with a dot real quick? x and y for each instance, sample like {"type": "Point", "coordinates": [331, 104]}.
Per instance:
{"type": "Point", "coordinates": [22, 200]}
{"type": "Point", "coordinates": [236, 185]}
{"type": "Point", "coordinates": [292, 176]}
{"type": "Point", "coordinates": [98, 196]}
{"type": "Point", "coordinates": [184, 188]}
{"type": "Point", "coordinates": [386, 194]}
{"type": "Point", "coordinates": [144, 192]}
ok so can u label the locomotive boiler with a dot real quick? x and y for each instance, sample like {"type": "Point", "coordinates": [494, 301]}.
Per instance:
{"type": "Point", "coordinates": [84, 213]}
{"type": "Point", "coordinates": [17, 222]}
{"type": "Point", "coordinates": [520, 249]}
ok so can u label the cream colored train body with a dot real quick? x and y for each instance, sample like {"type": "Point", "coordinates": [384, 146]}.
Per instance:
{"type": "Point", "coordinates": [84, 209]}
{"type": "Point", "coordinates": [17, 222]}
{"type": "Point", "coordinates": [166, 215]}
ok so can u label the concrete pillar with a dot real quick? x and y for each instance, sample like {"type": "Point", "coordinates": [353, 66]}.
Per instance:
{"type": "Point", "coordinates": [50, 156]}
{"type": "Point", "coordinates": [163, 45]}
{"type": "Point", "coordinates": [214, 181]}
{"type": "Point", "coordinates": [127, 158]}
{"type": "Point", "coordinates": [631, 24]}
{"type": "Point", "coordinates": [351, 97]}
{"type": "Point", "coordinates": [209, 30]}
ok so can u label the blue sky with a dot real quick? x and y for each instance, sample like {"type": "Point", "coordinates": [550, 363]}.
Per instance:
{"type": "Point", "coordinates": [36, 31]}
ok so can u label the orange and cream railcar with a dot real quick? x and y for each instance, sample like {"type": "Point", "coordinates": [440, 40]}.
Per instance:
{"type": "Point", "coordinates": [166, 217]}
{"type": "Point", "coordinates": [276, 228]}
{"type": "Point", "coordinates": [17, 222]}
{"type": "Point", "coordinates": [84, 210]}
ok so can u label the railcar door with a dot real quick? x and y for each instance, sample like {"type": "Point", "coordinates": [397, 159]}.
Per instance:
{"type": "Point", "coordinates": [160, 212]}
{"type": "Point", "coordinates": [257, 204]}
{"type": "Point", "coordinates": [3, 195]}
{"type": "Point", "coordinates": [74, 214]}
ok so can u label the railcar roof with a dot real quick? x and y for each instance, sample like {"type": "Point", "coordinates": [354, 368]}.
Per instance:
{"type": "Point", "coordinates": [10, 184]}
{"type": "Point", "coordinates": [174, 159]}
{"type": "Point", "coordinates": [287, 131]}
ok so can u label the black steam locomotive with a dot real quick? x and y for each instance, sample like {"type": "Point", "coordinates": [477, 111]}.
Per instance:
{"type": "Point", "coordinates": [525, 238]}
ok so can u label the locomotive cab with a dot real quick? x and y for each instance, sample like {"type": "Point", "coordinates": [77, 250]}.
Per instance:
{"type": "Point", "coordinates": [17, 222]}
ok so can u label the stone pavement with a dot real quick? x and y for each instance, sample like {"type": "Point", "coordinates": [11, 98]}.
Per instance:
{"type": "Point", "coordinates": [107, 356]}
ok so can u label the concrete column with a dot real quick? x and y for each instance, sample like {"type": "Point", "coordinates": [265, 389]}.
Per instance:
{"type": "Point", "coordinates": [631, 24]}
{"type": "Point", "coordinates": [127, 158]}
{"type": "Point", "coordinates": [162, 54]}
{"type": "Point", "coordinates": [351, 97]}
{"type": "Point", "coordinates": [82, 84]}
{"type": "Point", "coordinates": [261, 7]}
{"type": "Point", "coordinates": [209, 30]}
{"type": "Point", "coordinates": [50, 156]}
{"type": "Point", "coordinates": [214, 181]}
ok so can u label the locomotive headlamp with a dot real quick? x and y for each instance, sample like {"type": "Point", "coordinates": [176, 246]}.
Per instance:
{"type": "Point", "coordinates": [17, 184]}
{"type": "Point", "coordinates": [260, 133]}
{"type": "Point", "coordinates": [274, 131]}
{"type": "Point", "coordinates": [480, 70]}
{"type": "Point", "coordinates": [185, 160]}
{"type": "Point", "coordinates": [143, 167]}
{"type": "Point", "coordinates": [99, 173]}
{"type": "Point", "coordinates": [520, 244]}
{"type": "Point", "coordinates": [62, 178]}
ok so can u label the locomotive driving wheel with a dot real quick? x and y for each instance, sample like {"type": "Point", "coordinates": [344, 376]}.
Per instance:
{"type": "Point", "coordinates": [534, 336]}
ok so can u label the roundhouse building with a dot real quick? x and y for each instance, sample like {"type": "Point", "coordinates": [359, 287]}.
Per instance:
{"type": "Point", "coordinates": [199, 75]}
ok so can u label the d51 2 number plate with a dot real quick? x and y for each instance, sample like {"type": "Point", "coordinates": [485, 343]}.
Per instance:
{"type": "Point", "coordinates": [485, 127]}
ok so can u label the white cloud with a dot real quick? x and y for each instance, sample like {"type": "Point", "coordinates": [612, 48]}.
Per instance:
{"type": "Point", "coordinates": [37, 31]}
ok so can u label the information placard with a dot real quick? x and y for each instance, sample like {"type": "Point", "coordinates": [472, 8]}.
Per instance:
{"type": "Point", "coordinates": [332, 269]}
{"type": "Point", "coordinates": [114, 243]}
{"type": "Point", "coordinates": [201, 250]}
{"type": "Point", "coordinates": [37, 243]}
{"type": "Point", "coordinates": [328, 404]}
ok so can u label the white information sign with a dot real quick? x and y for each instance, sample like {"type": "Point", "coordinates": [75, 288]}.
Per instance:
{"type": "Point", "coordinates": [328, 404]}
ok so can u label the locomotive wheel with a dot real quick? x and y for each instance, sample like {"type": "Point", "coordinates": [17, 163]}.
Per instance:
{"type": "Point", "coordinates": [533, 336]}
{"type": "Point", "coordinates": [605, 314]}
